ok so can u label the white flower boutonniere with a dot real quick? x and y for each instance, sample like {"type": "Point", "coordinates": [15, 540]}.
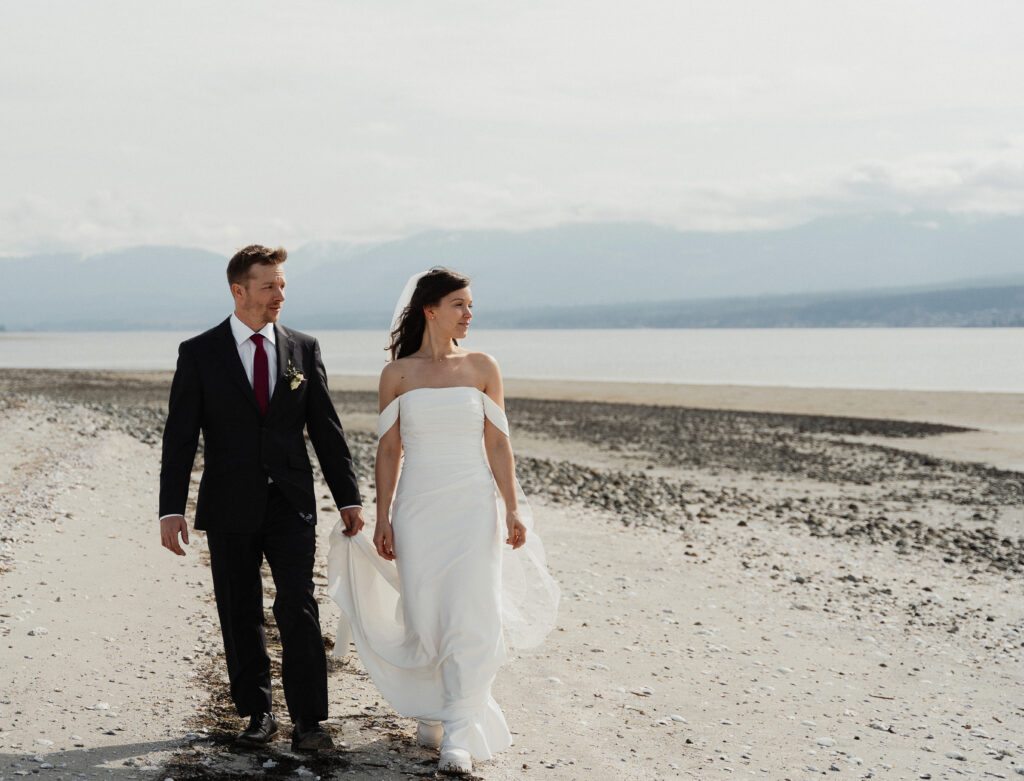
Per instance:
{"type": "Point", "coordinates": [294, 376]}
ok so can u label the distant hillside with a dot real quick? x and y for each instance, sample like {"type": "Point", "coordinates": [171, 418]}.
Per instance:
{"type": "Point", "coordinates": [344, 285]}
{"type": "Point", "coordinates": [952, 307]}
{"type": "Point", "coordinates": [141, 287]}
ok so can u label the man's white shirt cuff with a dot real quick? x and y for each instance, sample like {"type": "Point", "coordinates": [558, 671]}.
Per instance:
{"type": "Point", "coordinates": [346, 507]}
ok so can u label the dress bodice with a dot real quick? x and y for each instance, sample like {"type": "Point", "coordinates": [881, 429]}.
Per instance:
{"type": "Point", "coordinates": [441, 423]}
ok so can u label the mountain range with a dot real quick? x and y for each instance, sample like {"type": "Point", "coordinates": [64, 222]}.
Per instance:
{"type": "Point", "coordinates": [861, 270]}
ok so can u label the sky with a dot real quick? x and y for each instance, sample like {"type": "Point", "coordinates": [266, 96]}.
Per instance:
{"type": "Point", "coordinates": [214, 124]}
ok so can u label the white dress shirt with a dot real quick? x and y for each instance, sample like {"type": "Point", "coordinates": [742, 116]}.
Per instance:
{"type": "Point", "coordinates": [247, 352]}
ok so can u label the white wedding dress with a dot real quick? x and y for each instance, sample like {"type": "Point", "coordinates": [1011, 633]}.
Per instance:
{"type": "Point", "coordinates": [432, 630]}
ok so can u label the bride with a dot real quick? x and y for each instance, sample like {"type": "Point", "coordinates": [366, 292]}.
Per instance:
{"type": "Point", "coordinates": [431, 604]}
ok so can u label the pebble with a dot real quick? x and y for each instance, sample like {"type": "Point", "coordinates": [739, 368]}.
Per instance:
{"type": "Point", "coordinates": [826, 742]}
{"type": "Point", "coordinates": [39, 631]}
{"type": "Point", "coordinates": [955, 755]}
{"type": "Point", "coordinates": [554, 680]}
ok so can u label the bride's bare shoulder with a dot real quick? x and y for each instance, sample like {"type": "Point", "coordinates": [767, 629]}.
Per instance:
{"type": "Point", "coordinates": [392, 377]}
{"type": "Point", "coordinates": [481, 359]}
{"type": "Point", "coordinates": [485, 369]}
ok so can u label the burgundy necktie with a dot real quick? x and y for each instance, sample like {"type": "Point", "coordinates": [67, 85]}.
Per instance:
{"type": "Point", "coordinates": [260, 374]}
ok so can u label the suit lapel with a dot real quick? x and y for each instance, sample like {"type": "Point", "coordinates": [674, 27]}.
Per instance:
{"type": "Point", "coordinates": [285, 350]}
{"type": "Point", "coordinates": [233, 364]}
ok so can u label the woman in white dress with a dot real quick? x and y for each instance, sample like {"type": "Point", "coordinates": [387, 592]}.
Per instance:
{"type": "Point", "coordinates": [431, 604]}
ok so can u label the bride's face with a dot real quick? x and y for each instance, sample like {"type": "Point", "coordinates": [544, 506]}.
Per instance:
{"type": "Point", "coordinates": [453, 313]}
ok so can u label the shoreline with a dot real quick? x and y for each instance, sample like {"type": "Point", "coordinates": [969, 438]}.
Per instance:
{"type": "Point", "coordinates": [971, 409]}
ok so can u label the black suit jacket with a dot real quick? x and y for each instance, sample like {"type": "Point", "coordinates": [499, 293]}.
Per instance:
{"type": "Point", "coordinates": [210, 393]}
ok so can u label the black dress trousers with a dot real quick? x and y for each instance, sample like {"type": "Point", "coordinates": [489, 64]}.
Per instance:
{"type": "Point", "coordinates": [289, 545]}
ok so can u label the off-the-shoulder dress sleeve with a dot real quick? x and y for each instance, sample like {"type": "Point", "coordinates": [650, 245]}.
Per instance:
{"type": "Point", "coordinates": [389, 416]}
{"type": "Point", "coordinates": [494, 413]}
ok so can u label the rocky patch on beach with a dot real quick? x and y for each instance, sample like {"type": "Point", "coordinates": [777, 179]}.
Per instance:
{"type": "Point", "coordinates": [695, 466]}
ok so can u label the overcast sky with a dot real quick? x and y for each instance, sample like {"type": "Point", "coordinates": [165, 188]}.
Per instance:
{"type": "Point", "coordinates": [214, 123]}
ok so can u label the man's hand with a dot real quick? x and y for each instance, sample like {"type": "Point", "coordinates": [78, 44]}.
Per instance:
{"type": "Point", "coordinates": [169, 529]}
{"type": "Point", "coordinates": [352, 517]}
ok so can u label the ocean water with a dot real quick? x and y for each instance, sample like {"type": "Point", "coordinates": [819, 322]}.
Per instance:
{"type": "Point", "coordinates": [969, 359]}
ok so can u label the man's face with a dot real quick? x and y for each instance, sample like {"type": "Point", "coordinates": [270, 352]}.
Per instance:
{"type": "Point", "coordinates": [259, 301]}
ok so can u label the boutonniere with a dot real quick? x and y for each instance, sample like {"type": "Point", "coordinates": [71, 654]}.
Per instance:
{"type": "Point", "coordinates": [294, 376]}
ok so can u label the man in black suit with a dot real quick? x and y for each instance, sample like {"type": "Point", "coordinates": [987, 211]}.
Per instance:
{"type": "Point", "coordinates": [251, 386]}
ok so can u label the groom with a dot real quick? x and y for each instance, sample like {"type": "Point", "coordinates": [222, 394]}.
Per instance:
{"type": "Point", "coordinates": [251, 386]}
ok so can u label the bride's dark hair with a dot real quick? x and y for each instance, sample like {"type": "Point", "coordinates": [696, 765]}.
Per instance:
{"type": "Point", "coordinates": [407, 337]}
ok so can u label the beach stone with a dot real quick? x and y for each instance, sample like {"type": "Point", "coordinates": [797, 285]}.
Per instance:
{"type": "Point", "coordinates": [826, 742]}
{"type": "Point", "coordinates": [956, 755]}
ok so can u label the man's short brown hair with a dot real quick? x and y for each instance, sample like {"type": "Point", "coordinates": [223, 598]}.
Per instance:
{"type": "Point", "coordinates": [247, 257]}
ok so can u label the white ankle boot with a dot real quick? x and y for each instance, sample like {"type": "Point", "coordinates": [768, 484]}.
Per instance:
{"type": "Point", "coordinates": [455, 762]}
{"type": "Point", "coordinates": [429, 734]}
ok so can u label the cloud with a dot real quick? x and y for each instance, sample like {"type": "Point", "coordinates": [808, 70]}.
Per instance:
{"type": "Point", "coordinates": [215, 123]}
{"type": "Point", "coordinates": [988, 181]}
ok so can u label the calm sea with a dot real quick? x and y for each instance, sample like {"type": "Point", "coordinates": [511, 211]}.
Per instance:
{"type": "Point", "coordinates": [972, 359]}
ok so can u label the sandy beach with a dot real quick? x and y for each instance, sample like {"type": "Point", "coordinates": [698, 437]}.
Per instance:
{"type": "Point", "coordinates": [779, 583]}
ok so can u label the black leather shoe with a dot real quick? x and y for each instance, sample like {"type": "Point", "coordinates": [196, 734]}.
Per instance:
{"type": "Point", "coordinates": [262, 727]}
{"type": "Point", "coordinates": [311, 737]}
